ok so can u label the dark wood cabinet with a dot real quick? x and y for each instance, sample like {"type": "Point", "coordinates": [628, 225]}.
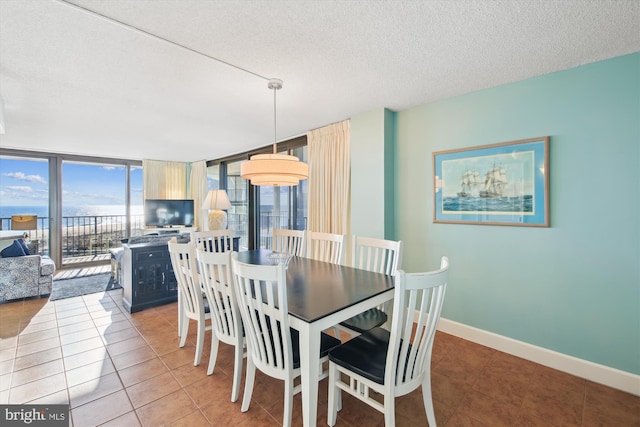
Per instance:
{"type": "Point", "coordinates": [148, 276]}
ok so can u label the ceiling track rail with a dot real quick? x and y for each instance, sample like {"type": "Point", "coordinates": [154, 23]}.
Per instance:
{"type": "Point", "coordinates": [155, 36]}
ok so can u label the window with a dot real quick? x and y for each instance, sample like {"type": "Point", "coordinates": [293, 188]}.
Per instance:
{"type": "Point", "coordinates": [24, 190]}
{"type": "Point", "coordinates": [256, 211]}
{"type": "Point", "coordinates": [98, 204]}
{"type": "Point", "coordinates": [282, 207]}
{"type": "Point", "coordinates": [238, 215]}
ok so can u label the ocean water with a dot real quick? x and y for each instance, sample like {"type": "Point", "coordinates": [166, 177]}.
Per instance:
{"type": "Point", "coordinates": [67, 211]}
{"type": "Point", "coordinates": [483, 204]}
{"type": "Point", "coordinates": [43, 211]}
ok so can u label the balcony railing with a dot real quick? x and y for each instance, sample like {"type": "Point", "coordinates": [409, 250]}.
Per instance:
{"type": "Point", "coordinates": [83, 235]}
{"type": "Point", "coordinates": [96, 234]}
{"type": "Point", "coordinates": [268, 221]}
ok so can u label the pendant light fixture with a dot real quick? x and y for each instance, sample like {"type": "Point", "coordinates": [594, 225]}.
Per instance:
{"type": "Point", "coordinates": [275, 170]}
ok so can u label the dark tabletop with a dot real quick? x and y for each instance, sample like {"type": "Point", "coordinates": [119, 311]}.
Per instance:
{"type": "Point", "coordinates": [316, 289]}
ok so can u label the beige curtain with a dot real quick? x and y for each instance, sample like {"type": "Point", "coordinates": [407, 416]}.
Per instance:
{"type": "Point", "coordinates": [198, 191]}
{"type": "Point", "coordinates": [330, 178]}
{"type": "Point", "coordinates": [164, 180]}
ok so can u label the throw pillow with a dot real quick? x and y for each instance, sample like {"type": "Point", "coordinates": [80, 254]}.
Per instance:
{"type": "Point", "coordinates": [12, 251]}
{"type": "Point", "coordinates": [24, 246]}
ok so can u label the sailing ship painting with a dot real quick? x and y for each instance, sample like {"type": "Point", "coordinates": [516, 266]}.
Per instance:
{"type": "Point", "coordinates": [503, 183]}
{"type": "Point", "coordinates": [470, 182]}
{"type": "Point", "coordinates": [497, 183]}
{"type": "Point", "coordinates": [494, 182]}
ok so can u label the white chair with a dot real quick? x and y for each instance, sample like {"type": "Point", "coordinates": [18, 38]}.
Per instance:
{"type": "Point", "coordinates": [380, 256]}
{"type": "Point", "coordinates": [217, 280]}
{"type": "Point", "coordinates": [192, 301]}
{"type": "Point", "coordinates": [288, 241]}
{"type": "Point", "coordinates": [393, 363]}
{"type": "Point", "coordinates": [325, 247]}
{"type": "Point", "coordinates": [273, 347]}
{"type": "Point", "coordinates": [210, 241]}
{"type": "Point", "coordinates": [213, 240]}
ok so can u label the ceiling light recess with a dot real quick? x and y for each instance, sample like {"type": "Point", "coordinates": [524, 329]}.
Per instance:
{"type": "Point", "coordinates": [275, 170]}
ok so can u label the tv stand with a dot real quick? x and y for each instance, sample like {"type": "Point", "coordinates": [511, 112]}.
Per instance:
{"type": "Point", "coordinates": [168, 230]}
{"type": "Point", "coordinates": [148, 279]}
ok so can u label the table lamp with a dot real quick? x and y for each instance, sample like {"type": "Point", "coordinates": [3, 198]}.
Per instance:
{"type": "Point", "coordinates": [24, 222]}
{"type": "Point", "coordinates": [215, 201]}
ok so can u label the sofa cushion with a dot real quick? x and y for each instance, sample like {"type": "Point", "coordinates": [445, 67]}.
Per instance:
{"type": "Point", "coordinates": [25, 248]}
{"type": "Point", "coordinates": [14, 250]}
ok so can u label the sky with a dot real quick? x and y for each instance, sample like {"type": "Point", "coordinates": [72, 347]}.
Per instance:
{"type": "Point", "coordinates": [25, 183]}
{"type": "Point", "coordinates": [518, 167]}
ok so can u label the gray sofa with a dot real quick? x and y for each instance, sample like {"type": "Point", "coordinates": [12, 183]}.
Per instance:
{"type": "Point", "coordinates": [25, 276]}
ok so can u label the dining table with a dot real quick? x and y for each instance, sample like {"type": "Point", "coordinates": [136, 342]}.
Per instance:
{"type": "Point", "coordinates": [320, 295]}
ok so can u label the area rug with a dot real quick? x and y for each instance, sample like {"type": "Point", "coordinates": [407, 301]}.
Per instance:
{"type": "Point", "coordinates": [67, 288]}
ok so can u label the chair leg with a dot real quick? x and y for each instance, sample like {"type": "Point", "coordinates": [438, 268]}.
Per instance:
{"type": "Point", "coordinates": [237, 372]}
{"type": "Point", "coordinates": [390, 411]}
{"type": "Point", "coordinates": [180, 315]}
{"type": "Point", "coordinates": [248, 384]}
{"type": "Point", "coordinates": [184, 332]}
{"type": "Point", "coordinates": [288, 402]}
{"type": "Point", "coordinates": [333, 395]}
{"type": "Point", "coordinates": [199, 343]}
{"type": "Point", "coordinates": [214, 353]}
{"type": "Point", "coordinates": [428, 400]}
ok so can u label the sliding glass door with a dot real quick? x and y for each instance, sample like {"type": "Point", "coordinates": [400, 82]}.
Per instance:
{"type": "Point", "coordinates": [238, 192]}
{"type": "Point", "coordinates": [256, 211]}
{"type": "Point", "coordinates": [84, 205]}
{"type": "Point", "coordinates": [282, 207]}
{"type": "Point", "coordinates": [24, 192]}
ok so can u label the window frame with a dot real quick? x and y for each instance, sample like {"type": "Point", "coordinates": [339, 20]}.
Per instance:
{"type": "Point", "coordinates": [253, 193]}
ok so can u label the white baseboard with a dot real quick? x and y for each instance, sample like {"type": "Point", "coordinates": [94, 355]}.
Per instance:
{"type": "Point", "coordinates": [601, 374]}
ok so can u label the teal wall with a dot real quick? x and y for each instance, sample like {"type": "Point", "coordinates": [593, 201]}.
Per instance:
{"type": "Point", "coordinates": [390, 229]}
{"type": "Point", "coordinates": [574, 287]}
{"type": "Point", "coordinates": [373, 174]}
{"type": "Point", "coordinates": [368, 187]}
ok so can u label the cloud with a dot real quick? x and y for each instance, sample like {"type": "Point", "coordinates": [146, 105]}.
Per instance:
{"type": "Point", "coordinates": [22, 188]}
{"type": "Point", "coordinates": [20, 176]}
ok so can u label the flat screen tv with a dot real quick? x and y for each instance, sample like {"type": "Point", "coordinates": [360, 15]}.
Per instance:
{"type": "Point", "coordinates": [168, 213]}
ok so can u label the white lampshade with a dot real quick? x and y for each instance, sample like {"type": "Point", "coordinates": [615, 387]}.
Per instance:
{"type": "Point", "coordinates": [274, 170]}
{"type": "Point", "coordinates": [215, 201]}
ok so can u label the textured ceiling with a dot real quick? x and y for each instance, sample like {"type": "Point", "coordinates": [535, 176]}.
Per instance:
{"type": "Point", "coordinates": [73, 81]}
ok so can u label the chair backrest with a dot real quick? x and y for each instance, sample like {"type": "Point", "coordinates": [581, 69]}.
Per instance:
{"type": "Point", "coordinates": [183, 261]}
{"type": "Point", "coordinates": [377, 255]}
{"type": "Point", "coordinates": [325, 247]}
{"type": "Point", "coordinates": [262, 298]}
{"type": "Point", "coordinates": [410, 345]}
{"type": "Point", "coordinates": [288, 241]}
{"type": "Point", "coordinates": [214, 240]}
{"type": "Point", "coordinates": [217, 281]}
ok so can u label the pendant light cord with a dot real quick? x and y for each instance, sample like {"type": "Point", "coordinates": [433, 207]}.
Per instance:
{"type": "Point", "coordinates": [275, 84]}
{"type": "Point", "coordinates": [275, 121]}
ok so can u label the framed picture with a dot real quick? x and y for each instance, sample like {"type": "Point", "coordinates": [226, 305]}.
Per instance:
{"type": "Point", "coordinates": [498, 184]}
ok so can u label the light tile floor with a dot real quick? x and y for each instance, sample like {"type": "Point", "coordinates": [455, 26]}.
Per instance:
{"type": "Point", "coordinates": [117, 369]}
